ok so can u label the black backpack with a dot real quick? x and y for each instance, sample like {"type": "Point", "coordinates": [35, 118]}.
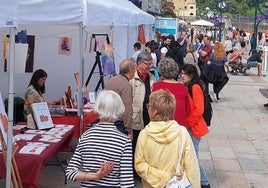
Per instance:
{"type": "Point", "coordinates": [208, 112]}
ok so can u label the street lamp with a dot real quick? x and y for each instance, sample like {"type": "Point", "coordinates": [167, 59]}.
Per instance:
{"type": "Point", "coordinates": [221, 6]}
{"type": "Point", "coordinates": [256, 24]}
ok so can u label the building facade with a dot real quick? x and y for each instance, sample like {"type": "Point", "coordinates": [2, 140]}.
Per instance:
{"type": "Point", "coordinates": [185, 9]}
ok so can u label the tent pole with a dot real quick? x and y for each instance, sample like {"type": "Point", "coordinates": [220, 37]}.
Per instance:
{"type": "Point", "coordinates": [10, 66]}
{"type": "Point", "coordinates": [81, 70]}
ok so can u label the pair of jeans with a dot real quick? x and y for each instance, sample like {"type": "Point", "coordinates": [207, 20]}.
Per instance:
{"type": "Point", "coordinates": [203, 174]}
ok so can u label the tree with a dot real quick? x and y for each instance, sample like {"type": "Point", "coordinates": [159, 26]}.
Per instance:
{"type": "Point", "coordinates": [234, 8]}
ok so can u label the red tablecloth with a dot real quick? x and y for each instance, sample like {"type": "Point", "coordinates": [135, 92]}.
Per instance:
{"type": "Point", "coordinates": [89, 118]}
{"type": "Point", "coordinates": [30, 166]}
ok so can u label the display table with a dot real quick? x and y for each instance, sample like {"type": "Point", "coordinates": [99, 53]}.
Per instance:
{"type": "Point", "coordinates": [89, 118]}
{"type": "Point", "coordinates": [30, 165]}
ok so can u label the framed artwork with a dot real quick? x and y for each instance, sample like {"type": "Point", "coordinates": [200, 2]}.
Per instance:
{"type": "Point", "coordinates": [107, 59]}
{"type": "Point", "coordinates": [65, 46]}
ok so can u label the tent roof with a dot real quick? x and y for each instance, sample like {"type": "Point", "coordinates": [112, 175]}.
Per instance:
{"type": "Point", "coordinates": [202, 23]}
{"type": "Point", "coordinates": [115, 12]}
{"type": "Point", "coordinates": [8, 17]}
{"type": "Point", "coordinates": [90, 12]}
{"type": "Point", "coordinates": [50, 11]}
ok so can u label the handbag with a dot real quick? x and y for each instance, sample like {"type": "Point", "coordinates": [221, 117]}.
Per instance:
{"type": "Point", "coordinates": [183, 182]}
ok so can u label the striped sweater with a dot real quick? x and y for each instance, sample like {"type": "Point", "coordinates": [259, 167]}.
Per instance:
{"type": "Point", "coordinates": [103, 143]}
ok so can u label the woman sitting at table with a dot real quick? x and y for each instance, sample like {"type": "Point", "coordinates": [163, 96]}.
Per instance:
{"type": "Point", "coordinates": [103, 156]}
{"type": "Point", "coordinates": [35, 91]}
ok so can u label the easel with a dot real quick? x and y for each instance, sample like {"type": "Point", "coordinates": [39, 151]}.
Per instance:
{"type": "Point", "coordinates": [15, 175]}
{"type": "Point", "coordinates": [97, 63]}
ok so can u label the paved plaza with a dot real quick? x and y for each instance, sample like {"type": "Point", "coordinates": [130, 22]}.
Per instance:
{"type": "Point", "coordinates": [234, 153]}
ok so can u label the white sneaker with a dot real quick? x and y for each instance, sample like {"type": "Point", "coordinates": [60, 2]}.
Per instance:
{"type": "Point", "coordinates": [215, 97]}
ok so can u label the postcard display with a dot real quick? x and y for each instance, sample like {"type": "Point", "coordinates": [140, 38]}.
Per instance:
{"type": "Point", "coordinates": [41, 116]}
{"type": "Point", "coordinates": [15, 176]}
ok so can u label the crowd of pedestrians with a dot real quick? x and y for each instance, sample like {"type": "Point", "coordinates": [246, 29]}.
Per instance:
{"type": "Point", "coordinates": [159, 99]}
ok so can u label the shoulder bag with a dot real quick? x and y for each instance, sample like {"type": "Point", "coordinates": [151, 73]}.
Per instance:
{"type": "Point", "coordinates": [183, 182]}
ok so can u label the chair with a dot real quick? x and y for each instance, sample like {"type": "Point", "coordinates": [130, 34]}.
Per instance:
{"type": "Point", "coordinates": [18, 115]}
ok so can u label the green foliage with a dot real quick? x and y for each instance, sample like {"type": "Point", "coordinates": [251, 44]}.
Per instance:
{"type": "Point", "coordinates": [233, 9]}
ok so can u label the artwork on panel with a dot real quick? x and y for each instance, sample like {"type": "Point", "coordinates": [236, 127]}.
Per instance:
{"type": "Point", "coordinates": [65, 46]}
{"type": "Point", "coordinates": [141, 34]}
{"type": "Point", "coordinates": [107, 59]}
{"type": "Point", "coordinates": [24, 53]}
{"type": "Point", "coordinates": [101, 42]}
{"type": "Point", "coordinates": [30, 54]}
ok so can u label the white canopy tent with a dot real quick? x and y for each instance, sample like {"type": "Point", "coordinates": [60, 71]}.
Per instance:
{"type": "Point", "coordinates": [83, 14]}
{"type": "Point", "coordinates": [202, 23]}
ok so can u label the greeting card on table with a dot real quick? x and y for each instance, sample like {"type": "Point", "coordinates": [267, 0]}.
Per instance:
{"type": "Point", "coordinates": [42, 115]}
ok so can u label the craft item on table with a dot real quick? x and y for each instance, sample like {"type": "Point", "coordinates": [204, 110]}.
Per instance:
{"type": "Point", "coordinates": [49, 138]}
{"type": "Point", "coordinates": [35, 131]}
{"type": "Point", "coordinates": [38, 144]}
{"type": "Point", "coordinates": [41, 115]}
{"type": "Point", "coordinates": [69, 99]}
{"type": "Point", "coordinates": [24, 137]}
{"type": "Point", "coordinates": [32, 149]}
{"type": "Point", "coordinates": [69, 127]}
{"type": "Point", "coordinates": [57, 132]}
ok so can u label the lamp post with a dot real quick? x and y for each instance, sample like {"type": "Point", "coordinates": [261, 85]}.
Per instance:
{"type": "Point", "coordinates": [221, 6]}
{"type": "Point", "coordinates": [256, 24]}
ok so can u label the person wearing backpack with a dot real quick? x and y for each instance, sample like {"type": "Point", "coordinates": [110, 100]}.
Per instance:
{"type": "Point", "coordinates": [196, 121]}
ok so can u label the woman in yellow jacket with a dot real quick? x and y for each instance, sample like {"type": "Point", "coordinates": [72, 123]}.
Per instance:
{"type": "Point", "coordinates": [159, 145]}
{"type": "Point", "coordinates": [196, 122]}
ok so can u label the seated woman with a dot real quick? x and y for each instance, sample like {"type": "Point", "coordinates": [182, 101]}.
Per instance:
{"type": "Point", "coordinates": [233, 61]}
{"type": "Point", "coordinates": [255, 60]}
{"type": "Point", "coordinates": [35, 91]}
{"type": "Point", "coordinates": [157, 166]}
{"type": "Point", "coordinates": [103, 156]}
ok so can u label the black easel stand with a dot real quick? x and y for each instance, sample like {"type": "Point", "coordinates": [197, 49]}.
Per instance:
{"type": "Point", "coordinates": [97, 62]}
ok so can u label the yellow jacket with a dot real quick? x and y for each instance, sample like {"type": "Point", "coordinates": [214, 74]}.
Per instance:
{"type": "Point", "coordinates": [157, 153]}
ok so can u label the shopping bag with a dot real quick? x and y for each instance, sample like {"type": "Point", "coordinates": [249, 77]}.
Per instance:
{"type": "Point", "coordinates": [182, 183]}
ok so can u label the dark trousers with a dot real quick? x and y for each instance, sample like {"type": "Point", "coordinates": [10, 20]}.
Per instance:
{"type": "Point", "coordinates": [218, 85]}
{"type": "Point", "coordinates": [206, 83]}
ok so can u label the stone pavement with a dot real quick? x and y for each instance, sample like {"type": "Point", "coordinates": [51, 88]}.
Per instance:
{"type": "Point", "coordinates": [235, 152]}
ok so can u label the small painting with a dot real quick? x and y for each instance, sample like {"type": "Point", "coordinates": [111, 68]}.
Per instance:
{"type": "Point", "coordinates": [65, 46]}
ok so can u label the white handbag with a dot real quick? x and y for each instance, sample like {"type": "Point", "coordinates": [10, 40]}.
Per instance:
{"type": "Point", "coordinates": [183, 182]}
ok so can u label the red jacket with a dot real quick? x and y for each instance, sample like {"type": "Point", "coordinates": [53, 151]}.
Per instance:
{"type": "Point", "coordinates": [195, 119]}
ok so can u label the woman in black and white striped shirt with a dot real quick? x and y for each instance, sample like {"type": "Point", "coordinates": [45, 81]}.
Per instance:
{"type": "Point", "coordinates": [103, 157]}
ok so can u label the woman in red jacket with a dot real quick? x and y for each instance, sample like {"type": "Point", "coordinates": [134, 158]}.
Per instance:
{"type": "Point", "coordinates": [196, 122]}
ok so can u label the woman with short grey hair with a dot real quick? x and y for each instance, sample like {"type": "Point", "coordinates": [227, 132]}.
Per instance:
{"type": "Point", "coordinates": [103, 156]}
{"type": "Point", "coordinates": [168, 68]}
{"type": "Point", "coordinates": [169, 71]}
{"type": "Point", "coordinates": [109, 106]}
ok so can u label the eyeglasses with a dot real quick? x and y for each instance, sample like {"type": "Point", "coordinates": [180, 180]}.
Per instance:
{"type": "Point", "coordinates": [147, 63]}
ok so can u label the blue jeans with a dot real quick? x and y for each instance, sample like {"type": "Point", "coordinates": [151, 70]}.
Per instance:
{"type": "Point", "coordinates": [253, 63]}
{"type": "Point", "coordinates": [203, 174]}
